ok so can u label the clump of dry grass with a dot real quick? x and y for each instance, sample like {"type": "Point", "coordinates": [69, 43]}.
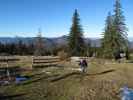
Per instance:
{"type": "Point", "coordinates": [100, 90]}
{"type": "Point", "coordinates": [63, 55]}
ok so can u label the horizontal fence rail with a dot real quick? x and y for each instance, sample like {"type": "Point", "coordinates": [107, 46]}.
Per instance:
{"type": "Point", "coordinates": [45, 61]}
{"type": "Point", "coordinates": [33, 61]}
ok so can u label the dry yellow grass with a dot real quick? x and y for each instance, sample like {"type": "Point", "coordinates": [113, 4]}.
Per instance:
{"type": "Point", "coordinates": [102, 81]}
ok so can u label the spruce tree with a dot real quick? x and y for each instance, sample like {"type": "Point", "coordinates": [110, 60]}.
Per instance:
{"type": "Point", "coordinates": [107, 40]}
{"type": "Point", "coordinates": [115, 34]}
{"type": "Point", "coordinates": [76, 41]}
{"type": "Point", "coordinates": [120, 29]}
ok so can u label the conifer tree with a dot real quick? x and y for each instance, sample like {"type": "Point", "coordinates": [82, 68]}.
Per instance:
{"type": "Point", "coordinates": [107, 40]}
{"type": "Point", "coordinates": [76, 41]}
{"type": "Point", "coordinates": [115, 34]}
{"type": "Point", "coordinates": [39, 45]}
{"type": "Point", "coordinates": [120, 28]}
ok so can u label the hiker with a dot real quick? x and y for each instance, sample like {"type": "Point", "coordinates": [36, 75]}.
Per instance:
{"type": "Point", "coordinates": [83, 64]}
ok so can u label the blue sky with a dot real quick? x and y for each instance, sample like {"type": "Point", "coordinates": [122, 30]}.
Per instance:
{"type": "Point", "coordinates": [24, 17]}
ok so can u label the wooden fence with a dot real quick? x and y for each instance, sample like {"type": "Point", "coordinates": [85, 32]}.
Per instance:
{"type": "Point", "coordinates": [45, 61]}
{"type": "Point", "coordinates": [7, 61]}
{"type": "Point", "coordinates": [28, 61]}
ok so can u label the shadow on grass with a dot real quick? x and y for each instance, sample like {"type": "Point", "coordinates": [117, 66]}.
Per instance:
{"type": "Point", "coordinates": [39, 79]}
{"type": "Point", "coordinates": [57, 77]}
{"type": "Point", "coordinates": [79, 73]}
{"type": "Point", "coordinates": [104, 72]}
{"type": "Point", "coordinates": [11, 97]}
{"type": "Point", "coordinates": [65, 76]}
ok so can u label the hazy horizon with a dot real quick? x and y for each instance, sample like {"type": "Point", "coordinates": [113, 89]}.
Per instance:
{"type": "Point", "coordinates": [130, 38]}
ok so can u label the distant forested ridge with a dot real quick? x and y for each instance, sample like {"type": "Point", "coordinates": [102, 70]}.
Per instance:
{"type": "Point", "coordinates": [14, 45]}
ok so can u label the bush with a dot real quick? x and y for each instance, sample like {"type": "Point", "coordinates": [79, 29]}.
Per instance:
{"type": "Point", "coordinates": [63, 55]}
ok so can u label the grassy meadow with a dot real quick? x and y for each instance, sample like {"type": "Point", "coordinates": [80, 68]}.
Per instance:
{"type": "Point", "coordinates": [102, 81]}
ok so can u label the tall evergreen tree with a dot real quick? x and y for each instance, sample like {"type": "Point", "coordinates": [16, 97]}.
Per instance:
{"type": "Point", "coordinates": [120, 28]}
{"type": "Point", "coordinates": [107, 40]}
{"type": "Point", "coordinates": [115, 35]}
{"type": "Point", "coordinates": [76, 42]}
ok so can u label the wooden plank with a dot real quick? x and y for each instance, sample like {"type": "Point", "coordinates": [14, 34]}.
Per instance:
{"type": "Point", "coordinates": [8, 59]}
{"type": "Point", "coordinates": [46, 57]}
{"type": "Point", "coordinates": [54, 64]}
{"type": "Point", "coordinates": [45, 61]}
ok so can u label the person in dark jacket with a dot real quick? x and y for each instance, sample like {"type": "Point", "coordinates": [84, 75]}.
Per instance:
{"type": "Point", "coordinates": [83, 64]}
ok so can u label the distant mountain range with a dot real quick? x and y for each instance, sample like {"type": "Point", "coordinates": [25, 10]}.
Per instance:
{"type": "Point", "coordinates": [50, 42]}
